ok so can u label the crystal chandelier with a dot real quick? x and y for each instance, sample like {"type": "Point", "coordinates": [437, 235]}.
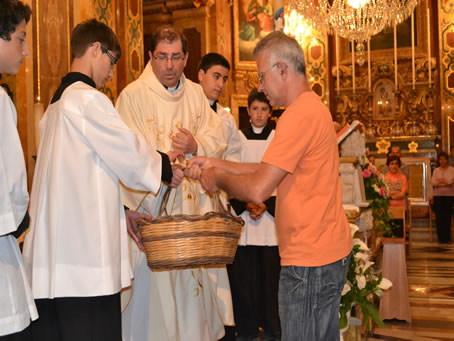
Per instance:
{"type": "Point", "coordinates": [356, 20]}
{"type": "Point", "coordinates": [399, 10]}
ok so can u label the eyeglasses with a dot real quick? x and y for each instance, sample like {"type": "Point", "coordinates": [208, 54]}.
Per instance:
{"type": "Point", "coordinates": [163, 58]}
{"type": "Point", "coordinates": [261, 75]}
{"type": "Point", "coordinates": [113, 60]}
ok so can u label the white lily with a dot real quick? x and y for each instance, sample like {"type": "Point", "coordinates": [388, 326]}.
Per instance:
{"type": "Point", "coordinates": [346, 289]}
{"type": "Point", "coordinates": [361, 256]}
{"type": "Point", "coordinates": [361, 281]}
{"type": "Point", "coordinates": [366, 266]}
{"type": "Point", "coordinates": [385, 284]}
{"type": "Point", "coordinates": [362, 245]}
{"type": "Point", "coordinates": [353, 229]}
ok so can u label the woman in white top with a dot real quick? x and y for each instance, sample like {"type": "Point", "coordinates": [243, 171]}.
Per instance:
{"type": "Point", "coordinates": [442, 181]}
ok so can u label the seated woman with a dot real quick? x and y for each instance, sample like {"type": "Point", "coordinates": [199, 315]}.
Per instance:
{"type": "Point", "coordinates": [396, 188]}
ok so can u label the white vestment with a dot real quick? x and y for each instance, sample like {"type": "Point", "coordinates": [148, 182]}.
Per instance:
{"type": "Point", "coordinates": [261, 232]}
{"type": "Point", "coordinates": [218, 275]}
{"type": "Point", "coordinates": [78, 242]}
{"type": "Point", "coordinates": [17, 306]}
{"type": "Point", "coordinates": [179, 304]}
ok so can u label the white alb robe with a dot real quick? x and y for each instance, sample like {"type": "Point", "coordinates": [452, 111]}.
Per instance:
{"type": "Point", "coordinates": [218, 275]}
{"type": "Point", "coordinates": [179, 304]}
{"type": "Point", "coordinates": [261, 232]}
{"type": "Point", "coordinates": [78, 243]}
{"type": "Point", "coordinates": [17, 306]}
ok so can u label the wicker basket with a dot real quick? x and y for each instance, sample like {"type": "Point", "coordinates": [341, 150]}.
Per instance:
{"type": "Point", "coordinates": [187, 241]}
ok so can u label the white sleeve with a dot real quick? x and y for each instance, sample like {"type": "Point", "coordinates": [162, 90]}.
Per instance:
{"type": "Point", "coordinates": [126, 154]}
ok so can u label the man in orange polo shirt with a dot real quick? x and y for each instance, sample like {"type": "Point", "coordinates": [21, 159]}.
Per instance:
{"type": "Point", "coordinates": [303, 163]}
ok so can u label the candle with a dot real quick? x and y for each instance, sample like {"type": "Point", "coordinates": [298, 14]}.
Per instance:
{"type": "Point", "coordinates": [395, 56]}
{"type": "Point", "coordinates": [353, 66]}
{"type": "Point", "coordinates": [428, 46]}
{"type": "Point", "coordinates": [38, 112]}
{"type": "Point", "coordinates": [337, 64]}
{"type": "Point", "coordinates": [368, 63]}
{"type": "Point", "coordinates": [413, 71]}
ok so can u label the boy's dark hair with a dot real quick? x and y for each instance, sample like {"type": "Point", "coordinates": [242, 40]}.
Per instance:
{"type": "Point", "coordinates": [392, 158]}
{"type": "Point", "coordinates": [254, 95]}
{"type": "Point", "coordinates": [212, 59]}
{"type": "Point", "coordinates": [12, 12]}
{"type": "Point", "coordinates": [92, 31]}
{"type": "Point", "coordinates": [168, 34]}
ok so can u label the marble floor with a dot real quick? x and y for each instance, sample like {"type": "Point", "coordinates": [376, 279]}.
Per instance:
{"type": "Point", "coordinates": [430, 270]}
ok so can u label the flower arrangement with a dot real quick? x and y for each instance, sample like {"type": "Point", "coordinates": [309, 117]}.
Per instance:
{"type": "Point", "coordinates": [375, 189]}
{"type": "Point", "coordinates": [361, 285]}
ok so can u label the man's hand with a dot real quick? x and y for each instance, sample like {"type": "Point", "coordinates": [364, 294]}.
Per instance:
{"type": "Point", "coordinates": [208, 180]}
{"type": "Point", "coordinates": [202, 162]}
{"type": "Point", "coordinates": [177, 177]}
{"type": "Point", "coordinates": [193, 172]}
{"type": "Point", "coordinates": [131, 223]}
{"type": "Point", "coordinates": [255, 210]}
{"type": "Point", "coordinates": [251, 207]}
{"type": "Point", "coordinates": [184, 141]}
{"type": "Point", "coordinates": [173, 155]}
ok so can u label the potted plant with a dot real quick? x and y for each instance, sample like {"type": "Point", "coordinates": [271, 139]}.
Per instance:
{"type": "Point", "coordinates": [362, 283]}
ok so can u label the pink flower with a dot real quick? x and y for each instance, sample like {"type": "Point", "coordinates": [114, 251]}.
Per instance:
{"type": "Point", "coordinates": [366, 173]}
{"type": "Point", "coordinates": [382, 191]}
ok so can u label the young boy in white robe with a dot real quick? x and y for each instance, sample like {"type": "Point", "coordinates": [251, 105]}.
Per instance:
{"type": "Point", "coordinates": [17, 307]}
{"type": "Point", "coordinates": [254, 274]}
{"type": "Point", "coordinates": [213, 75]}
{"type": "Point", "coordinates": [77, 249]}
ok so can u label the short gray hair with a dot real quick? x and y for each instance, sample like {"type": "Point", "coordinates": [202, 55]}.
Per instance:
{"type": "Point", "coordinates": [283, 47]}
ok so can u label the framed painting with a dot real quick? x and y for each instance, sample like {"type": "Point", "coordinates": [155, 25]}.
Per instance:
{"type": "Point", "coordinates": [253, 20]}
{"type": "Point", "coordinates": [384, 101]}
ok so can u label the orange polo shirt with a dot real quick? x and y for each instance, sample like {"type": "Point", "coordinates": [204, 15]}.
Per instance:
{"type": "Point", "coordinates": [312, 226]}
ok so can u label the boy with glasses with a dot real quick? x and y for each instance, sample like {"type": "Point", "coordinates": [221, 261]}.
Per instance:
{"type": "Point", "coordinates": [77, 249]}
{"type": "Point", "coordinates": [17, 307]}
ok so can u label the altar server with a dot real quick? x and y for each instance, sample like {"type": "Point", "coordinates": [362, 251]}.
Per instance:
{"type": "Point", "coordinates": [77, 249]}
{"type": "Point", "coordinates": [254, 274]}
{"type": "Point", "coordinates": [17, 307]}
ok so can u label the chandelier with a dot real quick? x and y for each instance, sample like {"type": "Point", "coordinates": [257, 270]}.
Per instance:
{"type": "Point", "coordinates": [356, 20]}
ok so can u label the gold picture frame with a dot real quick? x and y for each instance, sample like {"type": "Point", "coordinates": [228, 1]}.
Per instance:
{"type": "Point", "coordinates": [253, 20]}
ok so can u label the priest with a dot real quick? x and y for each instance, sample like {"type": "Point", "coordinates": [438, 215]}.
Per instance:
{"type": "Point", "coordinates": [171, 113]}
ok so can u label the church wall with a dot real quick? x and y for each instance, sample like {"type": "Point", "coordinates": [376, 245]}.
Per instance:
{"type": "Point", "coordinates": [215, 26]}
{"type": "Point", "coordinates": [48, 38]}
{"type": "Point", "coordinates": [446, 51]}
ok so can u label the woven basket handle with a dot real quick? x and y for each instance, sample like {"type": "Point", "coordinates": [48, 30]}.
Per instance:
{"type": "Point", "coordinates": [164, 201]}
{"type": "Point", "coordinates": [218, 205]}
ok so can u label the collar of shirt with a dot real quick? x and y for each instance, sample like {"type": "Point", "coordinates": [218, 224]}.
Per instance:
{"type": "Point", "coordinates": [69, 79]}
{"type": "Point", "coordinates": [213, 105]}
{"type": "Point", "coordinates": [250, 133]}
{"type": "Point", "coordinates": [176, 88]}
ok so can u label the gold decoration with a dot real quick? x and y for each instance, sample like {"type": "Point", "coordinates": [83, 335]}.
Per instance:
{"type": "Point", "coordinates": [383, 146]}
{"type": "Point", "coordinates": [413, 147]}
